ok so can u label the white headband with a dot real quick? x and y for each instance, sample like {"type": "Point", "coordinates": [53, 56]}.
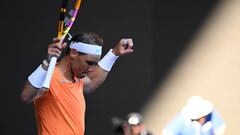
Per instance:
{"type": "Point", "coordinates": [86, 48]}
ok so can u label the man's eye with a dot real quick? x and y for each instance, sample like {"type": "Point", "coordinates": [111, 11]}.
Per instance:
{"type": "Point", "coordinates": [91, 63]}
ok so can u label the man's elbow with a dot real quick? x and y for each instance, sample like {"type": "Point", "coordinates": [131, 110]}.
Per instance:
{"type": "Point", "coordinates": [26, 98]}
{"type": "Point", "coordinates": [88, 91]}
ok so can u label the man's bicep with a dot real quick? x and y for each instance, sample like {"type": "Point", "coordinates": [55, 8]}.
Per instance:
{"type": "Point", "coordinates": [94, 79]}
{"type": "Point", "coordinates": [86, 84]}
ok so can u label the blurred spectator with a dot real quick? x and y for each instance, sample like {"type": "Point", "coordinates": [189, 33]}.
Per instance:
{"type": "Point", "coordinates": [133, 125]}
{"type": "Point", "coordinates": [197, 117]}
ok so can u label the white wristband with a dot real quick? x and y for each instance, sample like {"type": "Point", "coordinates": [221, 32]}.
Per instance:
{"type": "Point", "coordinates": [37, 77]}
{"type": "Point", "coordinates": [107, 61]}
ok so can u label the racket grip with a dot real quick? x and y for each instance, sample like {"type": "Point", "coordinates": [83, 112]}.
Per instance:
{"type": "Point", "coordinates": [49, 74]}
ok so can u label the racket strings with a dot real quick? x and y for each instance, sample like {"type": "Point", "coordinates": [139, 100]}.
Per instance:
{"type": "Point", "coordinates": [69, 21]}
{"type": "Point", "coordinates": [67, 18]}
{"type": "Point", "coordinates": [63, 11]}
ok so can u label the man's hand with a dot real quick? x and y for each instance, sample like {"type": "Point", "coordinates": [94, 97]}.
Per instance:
{"type": "Point", "coordinates": [124, 46]}
{"type": "Point", "coordinates": [55, 49]}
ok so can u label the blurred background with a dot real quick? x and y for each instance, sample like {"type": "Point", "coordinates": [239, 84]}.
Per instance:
{"type": "Point", "coordinates": [181, 48]}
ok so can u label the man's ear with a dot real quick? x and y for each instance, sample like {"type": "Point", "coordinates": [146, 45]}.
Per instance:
{"type": "Point", "coordinates": [73, 53]}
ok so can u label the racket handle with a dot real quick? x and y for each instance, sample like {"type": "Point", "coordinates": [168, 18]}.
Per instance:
{"type": "Point", "coordinates": [49, 74]}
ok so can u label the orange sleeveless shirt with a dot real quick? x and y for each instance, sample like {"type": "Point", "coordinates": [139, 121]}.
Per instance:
{"type": "Point", "coordinates": [61, 109]}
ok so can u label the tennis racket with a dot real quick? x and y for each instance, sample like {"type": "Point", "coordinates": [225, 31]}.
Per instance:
{"type": "Point", "coordinates": [68, 13]}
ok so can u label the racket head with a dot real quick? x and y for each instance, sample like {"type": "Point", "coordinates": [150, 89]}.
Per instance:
{"type": "Point", "coordinates": [68, 14]}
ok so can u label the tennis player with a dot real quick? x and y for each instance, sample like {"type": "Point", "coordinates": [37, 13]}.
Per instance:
{"type": "Point", "coordinates": [60, 110]}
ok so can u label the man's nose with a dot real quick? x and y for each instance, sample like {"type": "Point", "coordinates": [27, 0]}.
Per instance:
{"type": "Point", "coordinates": [91, 68]}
